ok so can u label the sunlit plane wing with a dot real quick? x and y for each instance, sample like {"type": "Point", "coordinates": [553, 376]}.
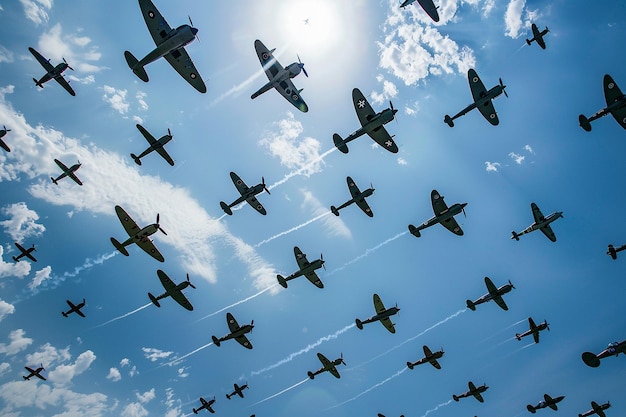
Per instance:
{"type": "Point", "coordinates": [388, 324]}
{"type": "Point", "coordinates": [243, 341]}
{"type": "Point", "coordinates": [430, 8]}
{"type": "Point", "coordinates": [233, 326]}
{"type": "Point", "coordinates": [157, 25]}
{"type": "Point", "coordinates": [241, 186]}
{"type": "Point", "coordinates": [75, 178]}
{"type": "Point", "coordinates": [63, 82]}
{"type": "Point", "coordinates": [378, 304]}
{"type": "Point", "coordinates": [354, 191]}
{"type": "Point", "coordinates": [171, 289]}
{"type": "Point", "coordinates": [452, 226]}
{"type": "Point", "coordinates": [612, 93]}
{"type": "Point", "coordinates": [182, 63]}
{"type": "Point", "coordinates": [300, 257]}
{"type": "Point", "coordinates": [533, 327]}
{"type": "Point", "coordinates": [439, 206]}
{"type": "Point", "coordinates": [257, 206]}
{"type": "Point", "coordinates": [161, 151]}
{"type": "Point", "coordinates": [365, 112]}
{"type": "Point", "coordinates": [478, 92]}
{"type": "Point", "coordinates": [43, 61]}
{"type": "Point", "coordinates": [537, 215]}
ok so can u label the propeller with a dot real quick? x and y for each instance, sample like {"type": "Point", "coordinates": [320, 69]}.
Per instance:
{"type": "Point", "coordinates": [503, 88]}
{"type": "Point", "coordinates": [511, 284]}
{"type": "Point", "coordinates": [341, 359]}
{"type": "Point", "coordinates": [301, 65]}
{"type": "Point", "coordinates": [323, 262]}
{"type": "Point", "coordinates": [463, 209]}
{"type": "Point", "coordinates": [5, 129]}
{"type": "Point", "coordinates": [195, 32]}
{"type": "Point", "coordinates": [169, 132]}
{"type": "Point", "coordinates": [158, 226]}
{"type": "Point", "coordinates": [547, 324]}
{"type": "Point", "coordinates": [189, 283]}
{"type": "Point", "coordinates": [68, 65]}
{"type": "Point", "coordinates": [264, 187]}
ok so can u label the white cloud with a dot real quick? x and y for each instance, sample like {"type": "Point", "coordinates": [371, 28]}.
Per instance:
{"type": "Point", "coordinates": [4, 368]}
{"type": "Point", "coordinates": [6, 309]}
{"type": "Point", "coordinates": [22, 222]}
{"type": "Point", "coordinates": [133, 371]}
{"type": "Point", "coordinates": [40, 276]}
{"type": "Point", "coordinates": [513, 17]}
{"type": "Point", "coordinates": [182, 373]}
{"type": "Point", "coordinates": [48, 355]}
{"type": "Point", "coordinates": [492, 166]}
{"type": "Point", "coordinates": [517, 158]}
{"type": "Point", "coordinates": [17, 342]}
{"type": "Point", "coordinates": [389, 91]}
{"type": "Point", "coordinates": [37, 10]}
{"type": "Point", "coordinates": [114, 374]}
{"type": "Point", "coordinates": [154, 354]}
{"type": "Point", "coordinates": [140, 96]}
{"type": "Point", "coordinates": [5, 55]}
{"type": "Point", "coordinates": [334, 226]}
{"type": "Point", "coordinates": [63, 374]}
{"type": "Point", "coordinates": [77, 50]}
{"type": "Point", "coordinates": [116, 99]}
{"type": "Point", "coordinates": [413, 109]}
{"type": "Point", "coordinates": [146, 396]}
{"type": "Point", "coordinates": [124, 362]}
{"type": "Point", "coordinates": [402, 161]}
{"type": "Point", "coordinates": [528, 149]}
{"type": "Point", "coordinates": [134, 410]}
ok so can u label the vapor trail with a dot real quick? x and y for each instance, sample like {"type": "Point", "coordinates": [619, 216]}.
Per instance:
{"type": "Point", "coordinates": [400, 372]}
{"type": "Point", "coordinates": [237, 88]}
{"type": "Point", "coordinates": [178, 360]}
{"type": "Point", "coordinates": [124, 315]}
{"type": "Point", "coordinates": [304, 168]}
{"type": "Point", "coordinates": [368, 252]}
{"type": "Point", "coordinates": [304, 350]}
{"type": "Point", "coordinates": [281, 392]}
{"type": "Point", "coordinates": [432, 410]}
{"type": "Point", "coordinates": [238, 302]}
{"type": "Point", "coordinates": [500, 331]}
{"type": "Point", "coordinates": [293, 229]}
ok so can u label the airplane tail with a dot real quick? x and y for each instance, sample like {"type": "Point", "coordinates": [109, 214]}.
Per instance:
{"type": "Point", "coordinates": [410, 365]}
{"type": "Point", "coordinates": [334, 210]}
{"type": "Point", "coordinates": [226, 209]}
{"type": "Point", "coordinates": [195, 411]}
{"type": "Point", "coordinates": [54, 181]}
{"type": "Point", "coordinates": [135, 158]}
{"type": "Point", "coordinates": [37, 83]}
{"type": "Point", "coordinates": [311, 375]}
{"type": "Point", "coordinates": [414, 231]}
{"type": "Point", "coordinates": [228, 396]}
{"type": "Point", "coordinates": [454, 397]}
{"type": "Point", "coordinates": [514, 235]}
{"type": "Point", "coordinates": [359, 324]}
{"type": "Point", "coordinates": [447, 119]}
{"type": "Point", "coordinates": [471, 305]}
{"type": "Point", "coordinates": [25, 378]}
{"type": "Point", "coordinates": [517, 336]}
{"type": "Point", "coordinates": [64, 313]}
{"type": "Point", "coordinates": [154, 300]}
{"type": "Point", "coordinates": [216, 341]}
{"type": "Point", "coordinates": [15, 259]}
{"type": "Point", "coordinates": [137, 69]}
{"type": "Point", "coordinates": [531, 408]}
{"type": "Point", "coordinates": [340, 144]}
{"type": "Point", "coordinates": [584, 122]}
{"type": "Point", "coordinates": [119, 247]}
{"type": "Point", "coordinates": [612, 252]}
{"type": "Point", "coordinates": [282, 281]}
{"type": "Point", "coordinates": [528, 41]}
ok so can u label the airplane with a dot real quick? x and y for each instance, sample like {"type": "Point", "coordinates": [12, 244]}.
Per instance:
{"type": "Point", "coordinates": [613, 349]}
{"type": "Point", "coordinates": [279, 77]}
{"type": "Point", "coordinates": [306, 268]}
{"type": "Point", "coordinates": [444, 215]}
{"type": "Point", "coordinates": [55, 72]}
{"type": "Point", "coordinates": [74, 308]}
{"type": "Point", "coordinates": [34, 372]}
{"type": "Point", "coordinates": [236, 332]}
{"type": "Point", "coordinates": [328, 366]}
{"type": "Point", "coordinates": [494, 294]}
{"type": "Point", "coordinates": [427, 5]}
{"type": "Point", "coordinates": [482, 99]}
{"type": "Point", "coordinates": [155, 145]}
{"type": "Point", "coordinates": [206, 405]}
{"type": "Point", "coordinates": [358, 197]}
{"type": "Point", "coordinates": [615, 105]}
{"type": "Point", "coordinates": [613, 251]}
{"type": "Point", "coordinates": [538, 36]}
{"type": "Point", "coordinates": [534, 330]}
{"type": "Point", "coordinates": [382, 415]}
{"type": "Point", "coordinates": [170, 44]}
{"type": "Point", "coordinates": [247, 193]}
{"type": "Point", "coordinates": [137, 235]}
{"type": "Point", "coordinates": [596, 409]}
{"type": "Point", "coordinates": [3, 144]}
{"type": "Point", "coordinates": [372, 123]}
{"type": "Point", "coordinates": [67, 172]}
{"type": "Point", "coordinates": [541, 223]}
{"type": "Point", "coordinates": [382, 315]}
{"type": "Point", "coordinates": [238, 390]}
{"type": "Point", "coordinates": [547, 402]}
{"type": "Point", "coordinates": [429, 356]}
{"type": "Point", "coordinates": [473, 390]}
{"type": "Point", "coordinates": [25, 252]}
{"type": "Point", "coordinates": [173, 290]}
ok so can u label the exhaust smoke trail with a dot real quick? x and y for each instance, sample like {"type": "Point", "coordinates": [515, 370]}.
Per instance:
{"type": "Point", "coordinates": [237, 303]}
{"type": "Point", "coordinates": [176, 361]}
{"type": "Point", "coordinates": [432, 410]}
{"type": "Point", "coordinates": [293, 229]}
{"type": "Point", "coordinates": [123, 315]}
{"type": "Point", "coordinates": [281, 392]}
{"type": "Point", "coordinates": [304, 168]}
{"type": "Point", "coordinates": [368, 252]}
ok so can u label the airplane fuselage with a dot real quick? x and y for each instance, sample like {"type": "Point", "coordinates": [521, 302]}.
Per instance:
{"type": "Point", "coordinates": [161, 142]}
{"type": "Point", "coordinates": [175, 39]}
{"type": "Point", "coordinates": [332, 365]}
{"type": "Point", "coordinates": [466, 394]}
{"type": "Point", "coordinates": [53, 73]}
{"type": "Point", "coordinates": [426, 359]}
{"type": "Point", "coordinates": [309, 267]}
{"type": "Point", "coordinates": [375, 123]}
{"type": "Point", "coordinates": [499, 292]}
{"type": "Point", "coordinates": [452, 211]}
{"type": "Point", "coordinates": [537, 329]}
{"type": "Point", "coordinates": [239, 332]}
{"type": "Point", "coordinates": [538, 225]}
{"type": "Point", "coordinates": [596, 408]}
{"type": "Point", "coordinates": [142, 235]}
{"type": "Point", "coordinates": [382, 315]}
{"type": "Point", "coordinates": [548, 402]}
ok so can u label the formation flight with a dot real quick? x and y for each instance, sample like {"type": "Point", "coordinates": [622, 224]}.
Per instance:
{"type": "Point", "coordinates": [172, 290]}
{"type": "Point", "coordinates": [615, 105]}
{"type": "Point", "coordinates": [306, 268]}
{"type": "Point", "coordinates": [444, 215]}
{"type": "Point", "coordinates": [596, 409]}
{"type": "Point", "coordinates": [170, 44]}
{"type": "Point", "coordinates": [137, 235]}
{"type": "Point", "coordinates": [473, 390]}
{"type": "Point", "coordinates": [279, 77]}
{"type": "Point", "coordinates": [613, 349]}
{"type": "Point", "coordinates": [534, 330]}
{"type": "Point", "coordinates": [3, 144]}
{"type": "Point", "coordinates": [612, 252]}
{"type": "Point", "coordinates": [427, 5]}
{"type": "Point", "coordinates": [538, 36]}
{"type": "Point", "coordinates": [155, 145]}
{"type": "Point", "coordinates": [236, 332]}
{"type": "Point", "coordinates": [25, 252]}
{"type": "Point", "coordinates": [541, 223]}
{"type": "Point", "coordinates": [547, 402]}
{"type": "Point", "coordinates": [206, 405]}
{"type": "Point", "coordinates": [34, 372]}
{"type": "Point", "coordinates": [372, 123]}
{"type": "Point", "coordinates": [358, 197]}
{"type": "Point", "coordinates": [238, 390]}
{"type": "Point", "coordinates": [55, 72]}
{"type": "Point", "coordinates": [67, 172]}
{"type": "Point", "coordinates": [494, 294]}
{"type": "Point", "coordinates": [429, 357]}
{"type": "Point", "coordinates": [74, 308]}
{"type": "Point", "coordinates": [482, 99]}
{"type": "Point", "coordinates": [382, 315]}
{"type": "Point", "coordinates": [247, 194]}
{"type": "Point", "coordinates": [328, 366]}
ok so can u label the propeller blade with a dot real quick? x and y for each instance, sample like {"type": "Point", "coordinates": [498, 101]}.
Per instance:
{"type": "Point", "coordinates": [264, 186]}
{"type": "Point", "coordinates": [190, 22]}
{"type": "Point", "coordinates": [68, 65]}
{"type": "Point", "coordinates": [190, 284]}
{"type": "Point", "coordinates": [464, 211]}
{"type": "Point", "coordinates": [169, 133]}
{"type": "Point", "coordinates": [503, 88]}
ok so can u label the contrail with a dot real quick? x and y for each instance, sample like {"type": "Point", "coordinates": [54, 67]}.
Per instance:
{"type": "Point", "coordinates": [124, 315]}
{"type": "Point", "coordinates": [302, 169]}
{"type": "Point", "coordinates": [500, 331]}
{"type": "Point", "coordinates": [368, 252]}
{"type": "Point", "coordinates": [269, 239]}
{"type": "Point", "coordinates": [281, 392]}
{"type": "Point", "coordinates": [178, 360]}
{"type": "Point", "coordinates": [432, 410]}
{"type": "Point", "coordinates": [238, 302]}
{"type": "Point", "coordinates": [304, 350]}
{"type": "Point", "coordinates": [400, 372]}
{"type": "Point", "coordinates": [237, 88]}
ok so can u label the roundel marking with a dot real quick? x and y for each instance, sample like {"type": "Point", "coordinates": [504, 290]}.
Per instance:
{"type": "Point", "coordinates": [611, 85]}
{"type": "Point", "coordinates": [624, 120]}
{"type": "Point", "coordinates": [492, 116]}
{"type": "Point", "coordinates": [239, 182]}
{"type": "Point", "coordinates": [259, 206]}
{"type": "Point", "coordinates": [231, 321]}
{"type": "Point", "coordinates": [265, 55]}
{"type": "Point", "coordinates": [294, 96]}
{"type": "Point", "coordinates": [151, 14]}
{"type": "Point", "coordinates": [475, 79]}
{"type": "Point", "coordinates": [436, 196]}
{"type": "Point", "coordinates": [192, 75]}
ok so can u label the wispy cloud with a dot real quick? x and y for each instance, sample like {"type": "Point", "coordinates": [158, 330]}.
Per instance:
{"type": "Point", "coordinates": [37, 10]}
{"type": "Point", "coordinates": [368, 252]}
{"type": "Point", "coordinates": [492, 166]}
{"type": "Point", "coordinates": [22, 222]}
{"type": "Point", "coordinates": [517, 158]}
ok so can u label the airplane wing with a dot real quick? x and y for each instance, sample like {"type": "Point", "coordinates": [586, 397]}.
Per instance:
{"type": "Point", "coordinates": [161, 151]}
{"type": "Point", "coordinates": [538, 37]}
{"type": "Point", "coordinates": [315, 280]}
{"type": "Point", "coordinates": [612, 93]}
{"type": "Point", "coordinates": [547, 230]}
{"type": "Point", "coordinates": [493, 290]}
{"type": "Point", "coordinates": [354, 191]}
{"type": "Point", "coordinates": [597, 409]}
{"type": "Point", "coordinates": [61, 165]}
{"type": "Point", "coordinates": [233, 326]}
{"type": "Point", "coordinates": [478, 92]}
{"type": "Point", "coordinates": [243, 341]}
{"type": "Point", "coordinates": [388, 324]}
{"type": "Point", "coordinates": [490, 285]}
{"type": "Point", "coordinates": [439, 206]}
{"type": "Point", "coordinates": [500, 301]}
{"type": "Point", "coordinates": [157, 25]}
{"type": "Point", "coordinates": [478, 396]}
{"type": "Point", "coordinates": [241, 186]}
{"type": "Point", "coordinates": [63, 82]}
{"type": "Point", "coordinates": [365, 112]}
{"type": "Point", "coordinates": [148, 246]}
{"type": "Point", "coordinates": [257, 206]}
{"type": "Point", "coordinates": [43, 61]}
{"type": "Point", "coordinates": [131, 228]}
{"type": "Point", "coordinates": [378, 304]}
{"type": "Point", "coordinates": [80, 313]}
{"type": "Point", "coordinates": [75, 178]}
{"type": "Point", "coordinates": [434, 363]}
{"type": "Point", "coordinates": [182, 63]}
{"type": "Point", "coordinates": [365, 207]}
{"type": "Point", "coordinates": [151, 139]}
{"type": "Point", "coordinates": [430, 8]}
{"type": "Point", "coordinates": [328, 365]}
{"type": "Point", "coordinates": [29, 369]}
{"type": "Point", "coordinates": [538, 216]}
{"type": "Point", "coordinates": [273, 67]}
{"type": "Point", "coordinates": [533, 327]}
{"type": "Point", "coordinates": [171, 289]}
{"type": "Point", "coordinates": [300, 257]}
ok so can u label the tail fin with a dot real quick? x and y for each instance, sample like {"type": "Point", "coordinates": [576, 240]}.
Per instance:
{"type": "Point", "coordinates": [216, 341]}
{"type": "Point", "coordinates": [154, 300]}
{"type": "Point", "coordinates": [119, 247]}
{"type": "Point", "coordinates": [517, 336]}
{"type": "Point", "coordinates": [514, 235]}
{"type": "Point", "coordinates": [54, 181]}
{"type": "Point", "coordinates": [64, 313]}
{"type": "Point", "coordinates": [226, 209]}
{"type": "Point", "coordinates": [133, 63]}
{"type": "Point", "coordinates": [471, 305]}
{"type": "Point", "coordinates": [282, 281]}
{"type": "Point", "coordinates": [528, 41]}
{"type": "Point", "coordinates": [410, 365]}
{"type": "Point", "coordinates": [334, 210]}
{"type": "Point", "coordinates": [135, 158]}
{"type": "Point", "coordinates": [340, 144]}
{"type": "Point", "coordinates": [414, 231]}
{"type": "Point", "coordinates": [612, 252]}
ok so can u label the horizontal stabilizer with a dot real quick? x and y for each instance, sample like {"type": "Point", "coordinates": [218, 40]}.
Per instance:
{"type": "Point", "coordinates": [216, 341]}
{"type": "Point", "coordinates": [135, 158]}
{"type": "Point", "coordinates": [471, 305]}
{"type": "Point", "coordinates": [119, 247]}
{"type": "Point", "coordinates": [359, 324]}
{"type": "Point", "coordinates": [584, 123]}
{"type": "Point", "coordinates": [414, 231]}
{"type": "Point", "coordinates": [226, 208]}
{"type": "Point", "coordinates": [410, 365]}
{"type": "Point", "coordinates": [448, 120]}
{"type": "Point", "coordinates": [340, 144]}
{"type": "Point", "coordinates": [133, 63]}
{"type": "Point", "coordinates": [282, 281]}
{"type": "Point", "coordinates": [531, 408]}
{"type": "Point", "coordinates": [154, 300]}
{"type": "Point", "coordinates": [334, 210]}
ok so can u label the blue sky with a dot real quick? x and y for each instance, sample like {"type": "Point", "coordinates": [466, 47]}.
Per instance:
{"type": "Point", "coordinates": [128, 358]}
